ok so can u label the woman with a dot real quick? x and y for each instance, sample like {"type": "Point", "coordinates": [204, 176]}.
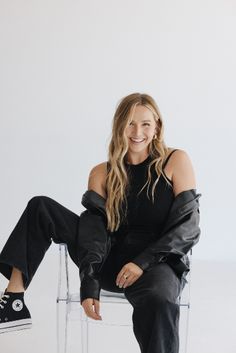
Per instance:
{"type": "Point", "coordinates": [129, 238]}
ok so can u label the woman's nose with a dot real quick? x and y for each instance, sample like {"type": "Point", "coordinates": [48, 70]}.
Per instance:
{"type": "Point", "coordinates": [137, 131]}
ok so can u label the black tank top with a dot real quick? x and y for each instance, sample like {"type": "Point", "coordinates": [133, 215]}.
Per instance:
{"type": "Point", "coordinates": [142, 214]}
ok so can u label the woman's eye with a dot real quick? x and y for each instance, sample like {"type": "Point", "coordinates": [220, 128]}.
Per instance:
{"type": "Point", "coordinates": [144, 124]}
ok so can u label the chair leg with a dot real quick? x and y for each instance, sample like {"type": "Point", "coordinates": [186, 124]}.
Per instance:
{"type": "Point", "coordinates": [187, 329]}
{"type": "Point", "coordinates": [61, 327]}
{"type": "Point", "coordinates": [189, 297]}
{"type": "Point", "coordinates": [63, 276]}
{"type": "Point", "coordinates": [84, 332]}
{"type": "Point", "coordinates": [62, 299]}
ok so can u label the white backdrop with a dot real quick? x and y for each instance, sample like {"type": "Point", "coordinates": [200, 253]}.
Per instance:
{"type": "Point", "coordinates": [64, 66]}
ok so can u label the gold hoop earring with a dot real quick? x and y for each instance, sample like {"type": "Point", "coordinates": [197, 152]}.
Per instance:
{"type": "Point", "coordinates": [154, 137]}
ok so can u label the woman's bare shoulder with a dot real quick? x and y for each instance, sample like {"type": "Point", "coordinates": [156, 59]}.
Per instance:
{"type": "Point", "coordinates": [97, 179]}
{"type": "Point", "coordinates": [182, 172]}
{"type": "Point", "coordinates": [178, 156]}
{"type": "Point", "coordinates": [177, 150]}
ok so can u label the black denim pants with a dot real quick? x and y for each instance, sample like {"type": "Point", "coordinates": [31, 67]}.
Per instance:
{"type": "Point", "coordinates": [154, 296]}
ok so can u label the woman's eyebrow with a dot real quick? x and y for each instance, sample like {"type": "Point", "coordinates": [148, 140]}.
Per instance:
{"type": "Point", "coordinates": [143, 120]}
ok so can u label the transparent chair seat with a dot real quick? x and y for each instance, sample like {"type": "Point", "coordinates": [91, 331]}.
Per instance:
{"type": "Point", "coordinates": [69, 310]}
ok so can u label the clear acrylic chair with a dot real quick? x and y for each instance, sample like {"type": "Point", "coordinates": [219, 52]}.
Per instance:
{"type": "Point", "coordinates": [69, 303]}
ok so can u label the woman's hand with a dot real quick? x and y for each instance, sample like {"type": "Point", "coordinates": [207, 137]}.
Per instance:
{"type": "Point", "coordinates": [92, 308]}
{"type": "Point", "coordinates": [131, 271]}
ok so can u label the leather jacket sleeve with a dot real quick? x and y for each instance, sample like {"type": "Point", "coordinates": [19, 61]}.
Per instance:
{"type": "Point", "coordinates": [180, 234]}
{"type": "Point", "coordinates": [92, 247]}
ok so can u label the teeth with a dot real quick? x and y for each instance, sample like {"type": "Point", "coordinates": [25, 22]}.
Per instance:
{"type": "Point", "coordinates": [136, 140]}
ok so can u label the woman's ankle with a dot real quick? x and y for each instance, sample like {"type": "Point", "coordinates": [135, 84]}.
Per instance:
{"type": "Point", "coordinates": [16, 284]}
{"type": "Point", "coordinates": [15, 289]}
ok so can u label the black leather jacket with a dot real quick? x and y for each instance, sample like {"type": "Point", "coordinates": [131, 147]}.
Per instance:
{"type": "Point", "coordinates": [181, 232]}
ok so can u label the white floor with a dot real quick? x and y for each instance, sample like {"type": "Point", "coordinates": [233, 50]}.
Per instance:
{"type": "Point", "coordinates": [211, 322]}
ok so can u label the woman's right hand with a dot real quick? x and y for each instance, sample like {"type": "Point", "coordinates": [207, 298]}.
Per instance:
{"type": "Point", "coordinates": [92, 308]}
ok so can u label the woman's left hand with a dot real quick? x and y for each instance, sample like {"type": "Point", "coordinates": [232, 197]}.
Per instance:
{"type": "Point", "coordinates": [129, 273]}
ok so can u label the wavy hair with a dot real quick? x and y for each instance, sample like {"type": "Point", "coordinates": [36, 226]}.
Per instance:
{"type": "Point", "coordinates": [117, 181]}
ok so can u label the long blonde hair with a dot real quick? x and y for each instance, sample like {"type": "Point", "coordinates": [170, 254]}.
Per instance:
{"type": "Point", "coordinates": [117, 178]}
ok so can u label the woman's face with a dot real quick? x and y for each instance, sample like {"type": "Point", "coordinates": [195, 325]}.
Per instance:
{"type": "Point", "coordinates": [141, 129]}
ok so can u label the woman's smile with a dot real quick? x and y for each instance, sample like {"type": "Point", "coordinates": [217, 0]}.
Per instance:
{"type": "Point", "coordinates": [136, 141]}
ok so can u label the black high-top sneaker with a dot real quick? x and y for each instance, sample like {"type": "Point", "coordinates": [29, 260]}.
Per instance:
{"type": "Point", "coordinates": [14, 314]}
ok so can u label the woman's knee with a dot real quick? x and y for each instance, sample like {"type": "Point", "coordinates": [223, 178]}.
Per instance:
{"type": "Point", "coordinates": [37, 199]}
{"type": "Point", "coordinates": [153, 289]}
{"type": "Point", "coordinates": [160, 297]}
{"type": "Point", "coordinates": [154, 296]}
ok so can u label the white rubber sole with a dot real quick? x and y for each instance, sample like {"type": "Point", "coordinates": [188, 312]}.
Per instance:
{"type": "Point", "coordinates": [15, 325]}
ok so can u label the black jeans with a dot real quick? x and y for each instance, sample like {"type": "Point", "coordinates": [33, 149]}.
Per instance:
{"type": "Point", "coordinates": [153, 296]}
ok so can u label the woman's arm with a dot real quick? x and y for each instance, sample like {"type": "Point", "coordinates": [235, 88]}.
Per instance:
{"type": "Point", "coordinates": [183, 176]}
{"type": "Point", "coordinates": [92, 245]}
{"type": "Point", "coordinates": [97, 179]}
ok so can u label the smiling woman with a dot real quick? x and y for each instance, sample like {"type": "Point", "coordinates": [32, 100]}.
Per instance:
{"type": "Point", "coordinates": [123, 241]}
{"type": "Point", "coordinates": [140, 132]}
{"type": "Point", "coordinates": [140, 187]}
